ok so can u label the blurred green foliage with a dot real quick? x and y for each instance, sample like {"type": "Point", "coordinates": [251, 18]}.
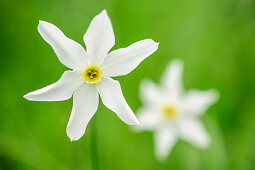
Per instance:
{"type": "Point", "coordinates": [214, 38]}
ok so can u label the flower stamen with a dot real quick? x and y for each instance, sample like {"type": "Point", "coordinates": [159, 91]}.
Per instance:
{"type": "Point", "coordinates": [92, 74]}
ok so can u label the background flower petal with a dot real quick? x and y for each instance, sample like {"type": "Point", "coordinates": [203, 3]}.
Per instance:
{"type": "Point", "coordinates": [99, 38]}
{"type": "Point", "coordinates": [69, 52]}
{"type": "Point", "coordinates": [172, 79]}
{"type": "Point", "coordinates": [150, 93]}
{"type": "Point", "coordinates": [61, 90]}
{"type": "Point", "coordinates": [164, 140]}
{"type": "Point", "coordinates": [124, 60]}
{"type": "Point", "coordinates": [85, 104]}
{"type": "Point", "coordinates": [149, 118]}
{"type": "Point", "coordinates": [197, 102]}
{"type": "Point", "coordinates": [112, 97]}
{"type": "Point", "coordinates": [194, 132]}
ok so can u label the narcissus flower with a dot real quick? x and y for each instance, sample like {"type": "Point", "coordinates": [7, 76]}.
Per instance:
{"type": "Point", "coordinates": [172, 114]}
{"type": "Point", "coordinates": [91, 72]}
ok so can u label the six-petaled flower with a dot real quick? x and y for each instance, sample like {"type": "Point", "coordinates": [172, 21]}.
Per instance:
{"type": "Point", "coordinates": [171, 114]}
{"type": "Point", "coordinates": [91, 72]}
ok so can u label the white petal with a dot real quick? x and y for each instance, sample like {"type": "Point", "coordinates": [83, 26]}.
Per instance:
{"type": "Point", "coordinates": [164, 140]}
{"type": "Point", "coordinates": [112, 97]}
{"type": "Point", "coordinates": [196, 102]}
{"type": "Point", "coordinates": [194, 132]}
{"type": "Point", "coordinates": [122, 61]}
{"type": "Point", "coordinates": [149, 118]}
{"type": "Point", "coordinates": [85, 103]}
{"type": "Point", "coordinates": [172, 79]}
{"type": "Point", "coordinates": [61, 90]}
{"type": "Point", "coordinates": [150, 93]}
{"type": "Point", "coordinates": [99, 38]}
{"type": "Point", "coordinates": [69, 52]}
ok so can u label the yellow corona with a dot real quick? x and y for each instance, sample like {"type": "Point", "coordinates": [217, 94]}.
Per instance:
{"type": "Point", "coordinates": [92, 74]}
{"type": "Point", "coordinates": [169, 112]}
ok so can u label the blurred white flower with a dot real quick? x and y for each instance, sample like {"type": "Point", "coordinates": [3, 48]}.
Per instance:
{"type": "Point", "coordinates": [171, 114]}
{"type": "Point", "coordinates": [91, 72]}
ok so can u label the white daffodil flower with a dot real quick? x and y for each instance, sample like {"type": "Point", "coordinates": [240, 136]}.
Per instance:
{"type": "Point", "coordinates": [171, 114]}
{"type": "Point", "coordinates": [91, 72]}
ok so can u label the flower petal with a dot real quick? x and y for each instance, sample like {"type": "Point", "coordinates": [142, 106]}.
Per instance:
{"type": "Point", "coordinates": [194, 132]}
{"type": "Point", "coordinates": [61, 90]}
{"type": "Point", "coordinates": [164, 140]}
{"type": "Point", "coordinates": [69, 52]}
{"type": "Point", "coordinates": [196, 102]}
{"type": "Point", "coordinates": [150, 93]}
{"type": "Point", "coordinates": [122, 61]}
{"type": "Point", "coordinates": [172, 79]}
{"type": "Point", "coordinates": [99, 38]}
{"type": "Point", "coordinates": [149, 118]}
{"type": "Point", "coordinates": [85, 104]}
{"type": "Point", "coordinates": [112, 97]}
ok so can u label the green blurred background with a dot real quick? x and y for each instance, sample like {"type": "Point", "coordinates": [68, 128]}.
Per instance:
{"type": "Point", "coordinates": [214, 38]}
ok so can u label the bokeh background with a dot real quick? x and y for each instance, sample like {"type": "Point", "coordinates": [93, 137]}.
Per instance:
{"type": "Point", "coordinates": [214, 38]}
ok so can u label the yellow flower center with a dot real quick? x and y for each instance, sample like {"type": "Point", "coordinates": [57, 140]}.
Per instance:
{"type": "Point", "coordinates": [169, 112]}
{"type": "Point", "coordinates": [92, 75]}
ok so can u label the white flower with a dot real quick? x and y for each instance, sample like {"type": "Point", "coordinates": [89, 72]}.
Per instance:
{"type": "Point", "coordinates": [171, 114]}
{"type": "Point", "coordinates": [91, 72]}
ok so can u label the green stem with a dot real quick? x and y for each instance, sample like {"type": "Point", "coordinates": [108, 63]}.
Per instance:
{"type": "Point", "coordinates": [94, 155]}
